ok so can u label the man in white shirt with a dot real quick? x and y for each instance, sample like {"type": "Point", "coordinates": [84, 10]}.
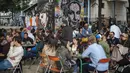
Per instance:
{"type": "Point", "coordinates": [95, 52]}
{"type": "Point", "coordinates": [116, 30]}
{"type": "Point", "coordinates": [14, 55]}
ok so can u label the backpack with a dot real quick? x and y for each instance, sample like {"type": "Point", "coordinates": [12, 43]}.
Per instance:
{"type": "Point", "coordinates": [118, 52]}
{"type": "Point", "coordinates": [123, 69]}
{"type": "Point", "coordinates": [70, 63]}
{"type": "Point", "coordinates": [67, 63]}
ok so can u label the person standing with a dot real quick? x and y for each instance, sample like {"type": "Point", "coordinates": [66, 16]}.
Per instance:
{"type": "Point", "coordinates": [67, 34]}
{"type": "Point", "coordinates": [114, 28]}
{"type": "Point", "coordinates": [110, 19]}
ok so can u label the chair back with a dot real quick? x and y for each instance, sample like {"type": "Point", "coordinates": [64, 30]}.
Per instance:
{"type": "Point", "coordinates": [42, 55]}
{"type": "Point", "coordinates": [104, 60]}
{"type": "Point", "coordinates": [18, 66]}
{"type": "Point", "coordinates": [54, 58]}
{"type": "Point", "coordinates": [53, 67]}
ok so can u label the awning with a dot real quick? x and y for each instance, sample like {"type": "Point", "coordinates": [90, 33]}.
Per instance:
{"type": "Point", "coordinates": [30, 7]}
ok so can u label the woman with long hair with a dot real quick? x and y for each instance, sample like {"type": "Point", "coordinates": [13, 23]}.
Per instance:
{"type": "Point", "coordinates": [50, 49]}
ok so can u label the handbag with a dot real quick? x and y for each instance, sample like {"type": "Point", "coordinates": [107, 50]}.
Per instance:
{"type": "Point", "coordinates": [116, 55]}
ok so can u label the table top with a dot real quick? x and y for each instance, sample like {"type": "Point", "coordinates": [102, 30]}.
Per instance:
{"type": "Point", "coordinates": [28, 45]}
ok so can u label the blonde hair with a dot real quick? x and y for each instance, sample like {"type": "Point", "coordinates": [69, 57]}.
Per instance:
{"type": "Point", "coordinates": [126, 36]}
{"type": "Point", "coordinates": [92, 39]}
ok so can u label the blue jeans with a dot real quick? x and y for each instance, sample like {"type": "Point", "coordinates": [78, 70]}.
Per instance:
{"type": "Point", "coordinates": [75, 68]}
{"type": "Point", "coordinates": [1, 60]}
{"type": "Point", "coordinates": [5, 64]}
{"type": "Point", "coordinates": [87, 68]}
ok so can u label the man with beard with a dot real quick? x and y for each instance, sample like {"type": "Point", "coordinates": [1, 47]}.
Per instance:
{"type": "Point", "coordinates": [112, 41]}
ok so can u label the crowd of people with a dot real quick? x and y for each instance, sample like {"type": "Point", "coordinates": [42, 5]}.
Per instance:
{"type": "Point", "coordinates": [70, 44]}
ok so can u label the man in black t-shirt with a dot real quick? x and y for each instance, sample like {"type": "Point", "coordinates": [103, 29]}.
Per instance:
{"type": "Point", "coordinates": [27, 40]}
{"type": "Point", "coordinates": [113, 41]}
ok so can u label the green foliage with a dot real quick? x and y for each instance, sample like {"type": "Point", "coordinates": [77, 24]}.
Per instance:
{"type": "Point", "coordinates": [6, 5]}
{"type": "Point", "coordinates": [57, 1]}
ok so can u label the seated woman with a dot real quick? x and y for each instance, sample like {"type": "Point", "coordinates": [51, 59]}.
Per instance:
{"type": "Point", "coordinates": [74, 48]}
{"type": "Point", "coordinates": [125, 40]}
{"type": "Point", "coordinates": [50, 49]}
{"type": "Point", "coordinates": [65, 56]}
{"type": "Point", "coordinates": [14, 55]}
{"type": "Point", "coordinates": [74, 51]}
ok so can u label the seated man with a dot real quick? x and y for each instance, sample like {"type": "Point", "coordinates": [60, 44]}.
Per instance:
{"type": "Point", "coordinates": [6, 47]}
{"type": "Point", "coordinates": [30, 50]}
{"type": "Point", "coordinates": [112, 41]}
{"type": "Point", "coordinates": [3, 42]}
{"type": "Point", "coordinates": [101, 40]}
{"type": "Point", "coordinates": [14, 55]}
{"type": "Point", "coordinates": [95, 52]}
{"type": "Point", "coordinates": [86, 31]}
{"type": "Point", "coordinates": [27, 39]}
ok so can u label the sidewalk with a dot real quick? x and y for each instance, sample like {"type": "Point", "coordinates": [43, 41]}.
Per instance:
{"type": "Point", "coordinates": [34, 68]}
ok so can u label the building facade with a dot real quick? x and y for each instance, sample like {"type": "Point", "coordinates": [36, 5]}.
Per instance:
{"type": "Point", "coordinates": [110, 8]}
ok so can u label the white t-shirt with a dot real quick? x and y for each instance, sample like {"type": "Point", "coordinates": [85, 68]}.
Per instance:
{"type": "Point", "coordinates": [116, 30]}
{"type": "Point", "coordinates": [75, 32]}
{"type": "Point", "coordinates": [31, 35]}
{"type": "Point", "coordinates": [16, 52]}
